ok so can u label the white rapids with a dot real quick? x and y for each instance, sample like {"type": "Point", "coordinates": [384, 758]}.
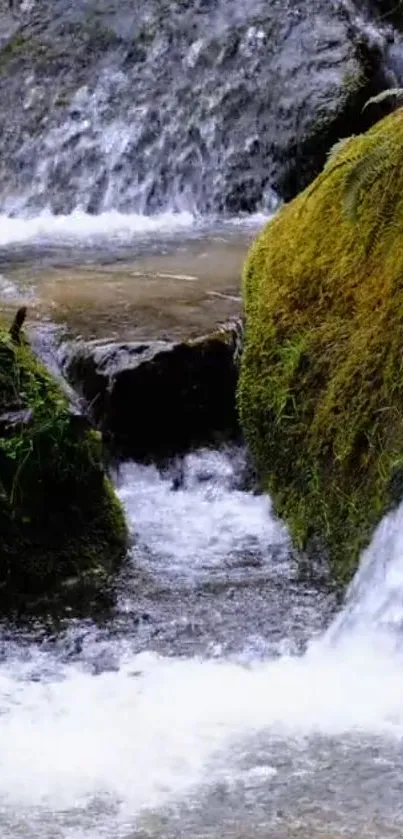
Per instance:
{"type": "Point", "coordinates": [101, 755]}
{"type": "Point", "coordinates": [117, 228]}
{"type": "Point", "coordinates": [83, 227]}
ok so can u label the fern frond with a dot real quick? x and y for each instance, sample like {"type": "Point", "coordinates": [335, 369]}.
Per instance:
{"type": "Point", "coordinates": [362, 175]}
{"type": "Point", "coordinates": [384, 212]}
{"type": "Point", "coordinates": [337, 147]}
{"type": "Point", "coordinates": [385, 94]}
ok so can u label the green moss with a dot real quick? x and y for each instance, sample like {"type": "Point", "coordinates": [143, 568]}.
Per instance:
{"type": "Point", "coordinates": [321, 385]}
{"type": "Point", "coordinates": [15, 46]}
{"type": "Point", "coordinates": [24, 47]}
{"type": "Point", "coordinates": [59, 515]}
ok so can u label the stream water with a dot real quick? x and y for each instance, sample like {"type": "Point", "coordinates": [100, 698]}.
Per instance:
{"type": "Point", "coordinates": [225, 696]}
{"type": "Point", "coordinates": [125, 276]}
{"type": "Point", "coordinates": [213, 702]}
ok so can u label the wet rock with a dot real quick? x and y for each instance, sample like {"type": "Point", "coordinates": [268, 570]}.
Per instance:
{"type": "Point", "coordinates": [172, 105]}
{"type": "Point", "coordinates": [13, 420]}
{"type": "Point", "coordinates": [158, 399]}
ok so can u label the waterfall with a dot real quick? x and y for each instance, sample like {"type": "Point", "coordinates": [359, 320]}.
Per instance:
{"type": "Point", "coordinates": [177, 107]}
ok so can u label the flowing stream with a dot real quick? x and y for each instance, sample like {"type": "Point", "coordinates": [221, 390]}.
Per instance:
{"type": "Point", "coordinates": [226, 695]}
{"type": "Point", "coordinates": [125, 276]}
{"type": "Point", "coordinates": [214, 702]}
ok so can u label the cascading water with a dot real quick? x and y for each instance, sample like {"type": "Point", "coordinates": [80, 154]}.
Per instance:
{"type": "Point", "coordinates": [202, 710]}
{"type": "Point", "coordinates": [195, 107]}
{"type": "Point", "coordinates": [181, 111]}
{"type": "Point", "coordinates": [214, 703]}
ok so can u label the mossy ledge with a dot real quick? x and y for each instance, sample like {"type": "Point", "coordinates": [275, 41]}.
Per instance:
{"type": "Point", "coordinates": [321, 386]}
{"type": "Point", "coordinates": [61, 524]}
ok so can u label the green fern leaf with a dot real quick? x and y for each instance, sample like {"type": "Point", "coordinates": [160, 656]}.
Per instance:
{"type": "Point", "coordinates": [338, 147]}
{"type": "Point", "coordinates": [362, 175]}
{"type": "Point", "coordinates": [385, 94]}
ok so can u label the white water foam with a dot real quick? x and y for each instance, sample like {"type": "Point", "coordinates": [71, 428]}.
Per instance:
{"type": "Point", "coordinates": [88, 229]}
{"type": "Point", "coordinates": [374, 602]}
{"type": "Point", "coordinates": [115, 745]}
{"type": "Point", "coordinates": [8, 289]}
{"type": "Point", "coordinates": [205, 522]}
{"type": "Point", "coordinates": [150, 733]}
{"type": "Point", "coordinates": [123, 228]}
{"type": "Point", "coordinates": [11, 293]}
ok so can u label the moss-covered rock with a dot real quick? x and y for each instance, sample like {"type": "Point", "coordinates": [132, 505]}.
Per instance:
{"type": "Point", "coordinates": [321, 385]}
{"type": "Point", "coordinates": [60, 521]}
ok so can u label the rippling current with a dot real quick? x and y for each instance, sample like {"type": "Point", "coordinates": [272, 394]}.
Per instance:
{"type": "Point", "coordinates": [214, 702]}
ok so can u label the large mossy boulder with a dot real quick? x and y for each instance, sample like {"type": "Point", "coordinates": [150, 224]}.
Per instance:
{"type": "Point", "coordinates": [61, 524]}
{"type": "Point", "coordinates": [321, 385]}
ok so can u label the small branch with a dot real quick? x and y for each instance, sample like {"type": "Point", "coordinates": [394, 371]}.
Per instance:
{"type": "Point", "coordinates": [17, 324]}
